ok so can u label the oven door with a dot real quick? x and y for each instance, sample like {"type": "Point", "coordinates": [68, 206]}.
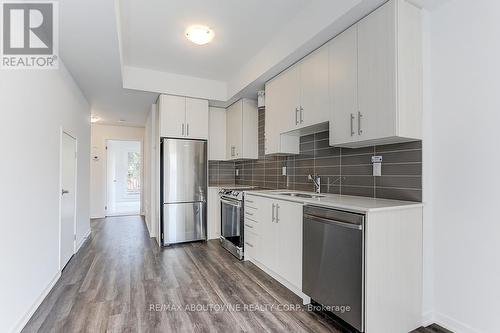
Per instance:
{"type": "Point", "coordinates": [231, 220]}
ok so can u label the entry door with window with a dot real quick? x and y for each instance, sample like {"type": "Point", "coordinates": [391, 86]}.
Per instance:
{"type": "Point", "coordinates": [68, 198]}
{"type": "Point", "coordinates": [123, 177]}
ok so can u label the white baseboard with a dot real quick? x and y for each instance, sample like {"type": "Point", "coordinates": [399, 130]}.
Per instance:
{"type": "Point", "coordinates": [452, 324]}
{"type": "Point", "coordinates": [84, 238]}
{"type": "Point", "coordinates": [19, 327]}
{"type": "Point", "coordinates": [428, 318]}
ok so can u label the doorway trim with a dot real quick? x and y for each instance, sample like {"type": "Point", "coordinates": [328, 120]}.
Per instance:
{"type": "Point", "coordinates": [106, 176]}
{"type": "Point", "coordinates": [62, 132]}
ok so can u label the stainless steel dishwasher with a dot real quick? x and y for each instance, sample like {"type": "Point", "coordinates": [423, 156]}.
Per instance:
{"type": "Point", "coordinates": [333, 262]}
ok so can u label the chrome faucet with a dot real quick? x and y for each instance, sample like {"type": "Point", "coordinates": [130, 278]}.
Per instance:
{"type": "Point", "coordinates": [317, 183]}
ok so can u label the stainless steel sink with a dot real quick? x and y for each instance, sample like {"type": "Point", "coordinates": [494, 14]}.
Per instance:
{"type": "Point", "coordinates": [302, 195]}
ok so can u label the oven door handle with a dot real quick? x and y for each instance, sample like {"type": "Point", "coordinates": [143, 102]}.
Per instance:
{"type": "Point", "coordinates": [233, 203]}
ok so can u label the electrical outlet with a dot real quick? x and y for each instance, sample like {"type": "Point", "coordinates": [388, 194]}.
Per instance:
{"type": "Point", "coordinates": [283, 171]}
{"type": "Point", "coordinates": [377, 169]}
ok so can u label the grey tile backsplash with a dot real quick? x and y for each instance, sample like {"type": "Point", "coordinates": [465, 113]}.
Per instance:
{"type": "Point", "coordinates": [342, 170]}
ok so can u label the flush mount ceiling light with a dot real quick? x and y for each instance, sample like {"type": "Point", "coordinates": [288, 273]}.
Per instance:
{"type": "Point", "coordinates": [199, 34]}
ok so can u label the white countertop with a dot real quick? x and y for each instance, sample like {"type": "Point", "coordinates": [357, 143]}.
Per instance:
{"type": "Point", "coordinates": [344, 202]}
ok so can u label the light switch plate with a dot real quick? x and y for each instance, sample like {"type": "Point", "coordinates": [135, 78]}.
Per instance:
{"type": "Point", "coordinates": [377, 169]}
{"type": "Point", "coordinates": [283, 171]}
{"type": "Point", "coordinates": [237, 172]}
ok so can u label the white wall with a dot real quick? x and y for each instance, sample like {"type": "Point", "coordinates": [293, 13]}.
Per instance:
{"type": "Point", "coordinates": [101, 133]}
{"type": "Point", "coordinates": [465, 67]}
{"type": "Point", "coordinates": [34, 104]}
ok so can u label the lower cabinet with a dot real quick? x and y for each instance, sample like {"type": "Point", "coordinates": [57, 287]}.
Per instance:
{"type": "Point", "coordinates": [273, 236]}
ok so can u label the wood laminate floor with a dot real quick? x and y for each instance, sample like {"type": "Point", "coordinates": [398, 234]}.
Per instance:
{"type": "Point", "coordinates": [120, 281]}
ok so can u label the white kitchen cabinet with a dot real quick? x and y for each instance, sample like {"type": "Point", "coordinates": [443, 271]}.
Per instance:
{"type": "Point", "coordinates": [314, 94]}
{"type": "Point", "coordinates": [388, 78]}
{"type": "Point", "coordinates": [172, 112]}
{"type": "Point", "coordinates": [183, 117]}
{"type": "Point", "coordinates": [216, 134]}
{"type": "Point", "coordinates": [288, 241]}
{"type": "Point", "coordinates": [282, 97]}
{"type": "Point", "coordinates": [197, 118]}
{"type": "Point", "coordinates": [276, 237]}
{"type": "Point", "coordinates": [213, 213]}
{"type": "Point", "coordinates": [296, 99]}
{"type": "Point", "coordinates": [242, 130]}
{"type": "Point", "coordinates": [344, 85]}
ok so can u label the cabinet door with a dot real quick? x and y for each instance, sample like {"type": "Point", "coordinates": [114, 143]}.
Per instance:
{"type": "Point", "coordinates": [314, 101]}
{"type": "Point", "coordinates": [343, 69]}
{"type": "Point", "coordinates": [197, 118]}
{"type": "Point", "coordinates": [234, 130]}
{"type": "Point", "coordinates": [249, 148]}
{"type": "Point", "coordinates": [272, 128]}
{"type": "Point", "coordinates": [217, 134]}
{"type": "Point", "coordinates": [377, 73]}
{"type": "Point", "coordinates": [282, 110]}
{"type": "Point", "coordinates": [288, 240]}
{"type": "Point", "coordinates": [268, 233]}
{"type": "Point", "coordinates": [172, 116]}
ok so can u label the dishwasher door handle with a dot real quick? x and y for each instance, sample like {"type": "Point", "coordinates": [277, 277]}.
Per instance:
{"type": "Point", "coordinates": [334, 222]}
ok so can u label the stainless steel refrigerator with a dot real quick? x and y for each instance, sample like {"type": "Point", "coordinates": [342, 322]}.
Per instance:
{"type": "Point", "coordinates": [184, 190]}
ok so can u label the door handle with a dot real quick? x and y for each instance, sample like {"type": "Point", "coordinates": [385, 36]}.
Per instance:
{"type": "Point", "coordinates": [63, 192]}
{"type": "Point", "coordinates": [301, 115]}
{"type": "Point", "coordinates": [277, 213]}
{"type": "Point", "coordinates": [360, 131]}
{"type": "Point", "coordinates": [273, 214]}
{"type": "Point", "coordinates": [182, 126]}
{"type": "Point", "coordinates": [187, 129]}
{"type": "Point", "coordinates": [352, 126]}
{"type": "Point", "coordinates": [296, 116]}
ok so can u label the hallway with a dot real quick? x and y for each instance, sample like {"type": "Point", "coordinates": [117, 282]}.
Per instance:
{"type": "Point", "coordinates": [111, 282]}
{"type": "Point", "coordinates": [120, 281]}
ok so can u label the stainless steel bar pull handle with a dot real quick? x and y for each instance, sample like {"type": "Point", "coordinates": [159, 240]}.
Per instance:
{"type": "Point", "coordinates": [187, 129]}
{"type": "Point", "coordinates": [360, 131]}
{"type": "Point", "coordinates": [277, 213]}
{"type": "Point", "coordinates": [296, 116]}
{"type": "Point", "coordinates": [182, 126]}
{"type": "Point", "coordinates": [352, 125]}
{"type": "Point", "coordinates": [301, 114]}
{"type": "Point", "coordinates": [273, 213]}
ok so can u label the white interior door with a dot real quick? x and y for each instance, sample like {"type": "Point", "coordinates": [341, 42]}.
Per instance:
{"type": "Point", "coordinates": [68, 198]}
{"type": "Point", "coordinates": [123, 177]}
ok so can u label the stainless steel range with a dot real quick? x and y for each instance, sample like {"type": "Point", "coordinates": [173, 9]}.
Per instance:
{"type": "Point", "coordinates": [232, 214]}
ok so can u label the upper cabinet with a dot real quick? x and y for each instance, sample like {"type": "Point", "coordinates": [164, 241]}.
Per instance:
{"type": "Point", "coordinates": [242, 130]}
{"type": "Point", "coordinates": [216, 134]}
{"type": "Point", "coordinates": [366, 82]}
{"type": "Point", "coordinates": [376, 78]}
{"type": "Point", "coordinates": [314, 105]}
{"type": "Point", "coordinates": [282, 97]}
{"type": "Point", "coordinates": [183, 117]}
{"type": "Point", "coordinates": [296, 99]}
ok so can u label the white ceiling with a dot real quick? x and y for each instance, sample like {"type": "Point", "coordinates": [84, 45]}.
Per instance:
{"type": "Point", "coordinates": [153, 33]}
